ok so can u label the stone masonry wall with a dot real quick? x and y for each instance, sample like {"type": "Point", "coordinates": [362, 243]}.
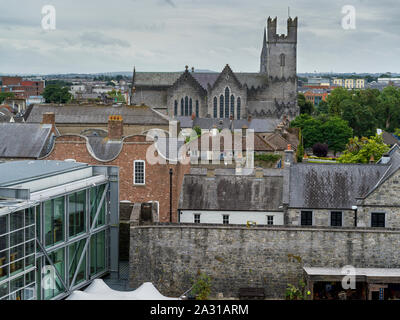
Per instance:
{"type": "Point", "coordinates": [171, 256]}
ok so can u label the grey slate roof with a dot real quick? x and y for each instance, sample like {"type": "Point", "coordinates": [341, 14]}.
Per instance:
{"type": "Point", "coordinates": [203, 78]}
{"type": "Point", "coordinates": [103, 149]}
{"type": "Point", "coordinates": [23, 140]}
{"type": "Point", "coordinates": [327, 186]}
{"type": "Point", "coordinates": [98, 114]}
{"type": "Point", "coordinates": [231, 192]}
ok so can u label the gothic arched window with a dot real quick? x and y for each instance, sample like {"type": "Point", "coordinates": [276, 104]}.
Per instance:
{"type": "Point", "coordinates": [182, 107]}
{"type": "Point", "coordinates": [239, 105]}
{"type": "Point", "coordinates": [190, 107]}
{"type": "Point", "coordinates": [197, 109]}
{"type": "Point", "coordinates": [283, 60]}
{"type": "Point", "coordinates": [215, 107]}
{"type": "Point", "coordinates": [233, 106]}
{"type": "Point", "coordinates": [227, 95]}
{"type": "Point", "coordinates": [186, 106]}
{"type": "Point", "coordinates": [176, 108]}
{"type": "Point", "coordinates": [221, 106]}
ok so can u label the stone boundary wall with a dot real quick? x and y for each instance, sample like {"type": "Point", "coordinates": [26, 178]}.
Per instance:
{"type": "Point", "coordinates": [171, 256]}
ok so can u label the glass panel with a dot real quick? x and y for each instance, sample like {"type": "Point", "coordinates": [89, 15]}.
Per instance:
{"type": "Point", "coordinates": [16, 238]}
{"type": "Point", "coordinates": [77, 209]}
{"type": "Point", "coordinates": [16, 253]}
{"type": "Point", "coordinates": [30, 216]}
{"type": "Point", "coordinates": [3, 243]}
{"type": "Point", "coordinates": [29, 293]}
{"type": "Point", "coordinates": [39, 278]}
{"type": "Point", "coordinates": [95, 197]}
{"type": "Point", "coordinates": [29, 262]}
{"type": "Point", "coordinates": [48, 223]}
{"type": "Point", "coordinates": [58, 220]}
{"type": "Point", "coordinates": [75, 253]}
{"type": "Point", "coordinates": [30, 233]}
{"type": "Point", "coordinates": [30, 248]}
{"type": "Point", "coordinates": [97, 253]}
{"type": "Point", "coordinates": [19, 295]}
{"type": "Point", "coordinates": [3, 264]}
{"type": "Point", "coordinates": [221, 106]}
{"type": "Point", "coordinates": [57, 288]}
{"type": "Point", "coordinates": [3, 224]}
{"type": "Point", "coordinates": [3, 289]}
{"type": "Point", "coordinates": [30, 277]}
{"type": "Point", "coordinates": [38, 232]}
{"type": "Point", "coordinates": [17, 284]}
{"type": "Point", "coordinates": [17, 220]}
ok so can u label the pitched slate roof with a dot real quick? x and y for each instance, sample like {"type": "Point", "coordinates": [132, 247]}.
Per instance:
{"type": "Point", "coordinates": [97, 114]}
{"type": "Point", "coordinates": [231, 192]}
{"type": "Point", "coordinates": [167, 79]}
{"type": "Point", "coordinates": [331, 186]}
{"type": "Point", "coordinates": [23, 140]}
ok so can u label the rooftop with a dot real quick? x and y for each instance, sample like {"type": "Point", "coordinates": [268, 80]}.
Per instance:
{"type": "Point", "coordinates": [20, 171]}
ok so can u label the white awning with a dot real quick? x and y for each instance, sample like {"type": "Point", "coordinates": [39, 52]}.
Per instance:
{"type": "Point", "coordinates": [98, 290]}
{"type": "Point", "coordinates": [367, 272]}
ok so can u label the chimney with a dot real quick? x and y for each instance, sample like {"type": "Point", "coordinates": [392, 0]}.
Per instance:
{"type": "Point", "coordinates": [115, 128]}
{"type": "Point", "coordinates": [244, 131]}
{"type": "Point", "coordinates": [50, 118]}
{"type": "Point", "coordinates": [192, 69]}
{"type": "Point", "coordinates": [249, 118]}
{"type": "Point", "coordinates": [289, 156]}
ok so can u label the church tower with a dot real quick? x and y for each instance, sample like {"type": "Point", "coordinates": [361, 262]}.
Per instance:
{"type": "Point", "coordinates": [279, 54]}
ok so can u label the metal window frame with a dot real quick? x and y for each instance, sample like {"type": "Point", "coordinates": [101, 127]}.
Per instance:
{"type": "Point", "coordinates": [144, 172]}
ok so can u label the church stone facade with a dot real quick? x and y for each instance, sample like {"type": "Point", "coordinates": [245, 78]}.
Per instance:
{"type": "Point", "coordinates": [271, 93]}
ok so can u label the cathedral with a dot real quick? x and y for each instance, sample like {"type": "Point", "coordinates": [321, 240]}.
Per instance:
{"type": "Point", "coordinates": [270, 93]}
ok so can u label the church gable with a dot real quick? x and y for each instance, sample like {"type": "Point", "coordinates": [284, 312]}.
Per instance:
{"type": "Point", "coordinates": [227, 77]}
{"type": "Point", "coordinates": [187, 79]}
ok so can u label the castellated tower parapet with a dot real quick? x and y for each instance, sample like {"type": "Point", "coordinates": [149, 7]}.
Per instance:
{"type": "Point", "coordinates": [290, 37]}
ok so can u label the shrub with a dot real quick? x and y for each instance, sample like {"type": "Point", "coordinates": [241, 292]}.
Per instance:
{"type": "Point", "coordinates": [202, 287]}
{"type": "Point", "coordinates": [320, 150]}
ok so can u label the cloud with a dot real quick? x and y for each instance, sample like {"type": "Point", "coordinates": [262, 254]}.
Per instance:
{"type": "Point", "coordinates": [99, 39]}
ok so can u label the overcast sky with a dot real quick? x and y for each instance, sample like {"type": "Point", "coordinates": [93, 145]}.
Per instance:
{"type": "Point", "coordinates": [165, 35]}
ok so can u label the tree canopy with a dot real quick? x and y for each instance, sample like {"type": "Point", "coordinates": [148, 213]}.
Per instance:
{"type": "Point", "coordinates": [55, 93]}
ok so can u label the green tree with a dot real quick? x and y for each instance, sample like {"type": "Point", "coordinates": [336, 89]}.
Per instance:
{"type": "Point", "coordinates": [306, 107]}
{"type": "Point", "coordinates": [310, 129]}
{"type": "Point", "coordinates": [56, 94]}
{"type": "Point", "coordinates": [323, 107]}
{"type": "Point", "coordinates": [5, 95]}
{"type": "Point", "coordinates": [337, 133]}
{"type": "Point", "coordinates": [202, 287]}
{"type": "Point", "coordinates": [335, 99]}
{"type": "Point", "coordinates": [362, 150]}
{"type": "Point", "coordinates": [117, 96]}
{"type": "Point", "coordinates": [388, 109]}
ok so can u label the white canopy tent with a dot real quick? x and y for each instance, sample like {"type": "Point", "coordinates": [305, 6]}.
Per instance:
{"type": "Point", "coordinates": [98, 290]}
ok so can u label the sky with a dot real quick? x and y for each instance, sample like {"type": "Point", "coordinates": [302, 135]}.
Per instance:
{"type": "Point", "coordinates": [93, 36]}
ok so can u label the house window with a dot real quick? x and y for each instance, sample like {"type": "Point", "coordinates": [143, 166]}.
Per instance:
{"type": "Point", "coordinates": [270, 220]}
{"type": "Point", "coordinates": [139, 172]}
{"type": "Point", "coordinates": [197, 218]}
{"type": "Point", "coordinates": [232, 106]}
{"type": "Point", "coordinates": [215, 107]}
{"type": "Point", "coordinates": [197, 109]}
{"type": "Point", "coordinates": [182, 107]}
{"type": "Point", "coordinates": [227, 95]}
{"type": "Point", "coordinates": [283, 60]}
{"type": "Point", "coordinates": [176, 108]}
{"type": "Point", "coordinates": [225, 219]}
{"type": "Point", "coordinates": [221, 106]}
{"type": "Point", "coordinates": [306, 218]}
{"type": "Point", "coordinates": [186, 106]}
{"type": "Point", "coordinates": [377, 220]}
{"type": "Point", "coordinates": [190, 107]}
{"type": "Point", "coordinates": [239, 103]}
{"type": "Point", "coordinates": [336, 219]}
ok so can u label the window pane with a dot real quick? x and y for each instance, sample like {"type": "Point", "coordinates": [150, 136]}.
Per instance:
{"type": "Point", "coordinates": [3, 225]}
{"type": "Point", "coordinates": [3, 262]}
{"type": "Point", "coordinates": [77, 209]}
{"type": "Point", "coordinates": [16, 238]}
{"type": "Point", "coordinates": [48, 223]}
{"type": "Point", "coordinates": [58, 220]}
{"type": "Point", "coordinates": [30, 248]}
{"type": "Point", "coordinates": [3, 289]}
{"type": "Point", "coordinates": [3, 242]}
{"type": "Point", "coordinates": [58, 259]}
{"type": "Point", "coordinates": [17, 220]}
{"type": "Point", "coordinates": [17, 284]}
{"type": "Point", "coordinates": [306, 218]}
{"type": "Point", "coordinates": [97, 253]}
{"type": "Point", "coordinates": [16, 253]}
{"type": "Point", "coordinates": [75, 253]}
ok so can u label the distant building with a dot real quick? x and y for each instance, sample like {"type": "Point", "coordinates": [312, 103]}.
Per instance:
{"type": "Point", "coordinates": [349, 83]}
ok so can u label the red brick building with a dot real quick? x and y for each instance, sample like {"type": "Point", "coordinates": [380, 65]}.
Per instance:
{"type": "Point", "coordinates": [140, 182]}
{"type": "Point", "coordinates": [22, 88]}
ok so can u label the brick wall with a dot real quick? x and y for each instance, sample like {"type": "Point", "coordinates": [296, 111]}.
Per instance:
{"type": "Point", "coordinates": [134, 148]}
